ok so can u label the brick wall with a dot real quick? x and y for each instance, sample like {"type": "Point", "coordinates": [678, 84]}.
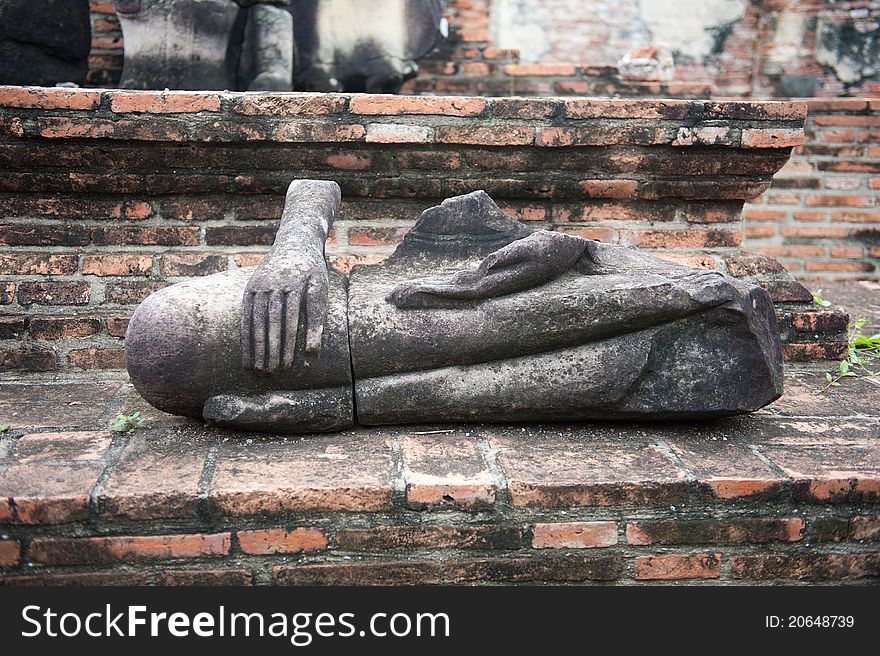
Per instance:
{"type": "Point", "coordinates": [821, 216]}
{"type": "Point", "coordinates": [175, 505]}
{"type": "Point", "coordinates": [107, 196]}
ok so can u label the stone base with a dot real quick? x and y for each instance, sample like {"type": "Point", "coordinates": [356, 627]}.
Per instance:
{"type": "Point", "coordinates": [786, 494]}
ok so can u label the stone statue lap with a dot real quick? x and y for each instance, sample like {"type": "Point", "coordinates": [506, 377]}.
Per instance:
{"type": "Point", "coordinates": [473, 318]}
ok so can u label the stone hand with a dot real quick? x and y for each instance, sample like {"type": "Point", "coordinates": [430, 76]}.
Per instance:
{"type": "Point", "coordinates": [283, 289]}
{"type": "Point", "coordinates": [520, 265]}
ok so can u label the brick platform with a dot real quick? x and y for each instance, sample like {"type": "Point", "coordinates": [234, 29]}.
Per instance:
{"type": "Point", "coordinates": [788, 494]}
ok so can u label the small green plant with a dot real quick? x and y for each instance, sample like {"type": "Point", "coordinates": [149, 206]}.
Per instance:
{"type": "Point", "coordinates": [862, 352]}
{"type": "Point", "coordinates": [4, 428]}
{"type": "Point", "coordinates": [818, 300]}
{"type": "Point", "coordinates": [127, 423]}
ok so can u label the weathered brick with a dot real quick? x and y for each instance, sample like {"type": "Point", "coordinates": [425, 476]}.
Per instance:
{"type": "Point", "coordinates": [820, 322]}
{"type": "Point", "coordinates": [833, 474]}
{"type": "Point", "coordinates": [674, 567]}
{"type": "Point", "coordinates": [385, 538]}
{"type": "Point", "coordinates": [609, 188]}
{"type": "Point", "coordinates": [97, 358]}
{"type": "Point", "coordinates": [692, 238]}
{"type": "Point", "coordinates": [13, 327]}
{"type": "Point", "coordinates": [396, 105]}
{"type": "Point", "coordinates": [626, 108]}
{"type": "Point", "coordinates": [571, 568]}
{"type": "Point", "coordinates": [574, 535]}
{"type": "Point", "coordinates": [27, 360]}
{"type": "Point", "coordinates": [54, 293]}
{"type": "Point", "coordinates": [865, 527]}
{"type": "Point", "coordinates": [49, 98]}
{"type": "Point", "coordinates": [59, 327]}
{"type": "Point", "coordinates": [319, 132]}
{"type": "Point", "coordinates": [118, 264]}
{"type": "Point", "coordinates": [150, 236]}
{"type": "Point", "coordinates": [771, 138]}
{"type": "Point", "coordinates": [36, 493]}
{"type": "Point", "coordinates": [498, 135]}
{"type": "Point", "coordinates": [105, 550]}
{"type": "Point", "coordinates": [809, 567]}
{"type": "Point", "coordinates": [116, 326]}
{"type": "Point", "coordinates": [197, 577]}
{"type": "Point", "coordinates": [275, 541]}
{"type": "Point", "coordinates": [289, 104]}
{"type": "Point", "coordinates": [10, 553]}
{"type": "Point", "coordinates": [710, 531]}
{"type": "Point", "coordinates": [399, 133]}
{"type": "Point", "coordinates": [304, 476]}
{"type": "Point", "coordinates": [167, 102]}
{"type": "Point", "coordinates": [37, 264]}
{"type": "Point", "coordinates": [7, 292]}
{"type": "Point", "coordinates": [444, 473]}
{"type": "Point", "coordinates": [131, 292]}
{"type": "Point", "coordinates": [410, 572]}
{"type": "Point", "coordinates": [78, 579]}
{"type": "Point", "coordinates": [192, 264]}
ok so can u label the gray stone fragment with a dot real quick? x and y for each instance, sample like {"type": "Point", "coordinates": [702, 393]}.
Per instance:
{"type": "Point", "coordinates": [44, 42]}
{"type": "Point", "coordinates": [362, 46]}
{"type": "Point", "coordinates": [206, 44]}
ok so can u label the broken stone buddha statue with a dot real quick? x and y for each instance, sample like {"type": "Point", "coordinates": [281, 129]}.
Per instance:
{"type": "Point", "coordinates": [473, 318]}
{"type": "Point", "coordinates": [207, 44]}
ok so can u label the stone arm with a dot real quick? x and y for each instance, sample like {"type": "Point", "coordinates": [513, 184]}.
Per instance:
{"type": "Point", "coordinates": [522, 264]}
{"type": "Point", "coordinates": [290, 286]}
{"type": "Point", "coordinates": [536, 260]}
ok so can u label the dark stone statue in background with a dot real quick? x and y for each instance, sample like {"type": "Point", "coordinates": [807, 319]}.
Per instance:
{"type": "Point", "coordinates": [207, 44]}
{"type": "Point", "coordinates": [44, 42]}
{"type": "Point", "coordinates": [474, 318]}
{"type": "Point", "coordinates": [362, 46]}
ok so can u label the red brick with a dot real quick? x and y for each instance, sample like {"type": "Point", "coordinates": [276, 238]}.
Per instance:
{"type": "Point", "coordinates": [10, 553]}
{"type": "Point", "coordinates": [36, 493]}
{"type": "Point", "coordinates": [51, 98]}
{"type": "Point", "coordinates": [606, 135]}
{"type": "Point", "coordinates": [243, 260]}
{"type": "Point", "coordinates": [193, 577]}
{"type": "Point", "coordinates": [627, 108]}
{"type": "Point", "coordinates": [609, 188]}
{"type": "Point", "coordinates": [570, 568]}
{"type": "Point", "coordinates": [167, 102]}
{"type": "Point", "coordinates": [837, 136]}
{"type": "Point", "coordinates": [865, 527]}
{"type": "Point", "coordinates": [856, 217]}
{"type": "Point", "coordinates": [131, 292]}
{"type": "Point", "coordinates": [411, 572]}
{"type": "Point", "coordinates": [394, 105]}
{"type": "Point", "coordinates": [810, 216]}
{"type": "Point", "coordinates": [574, 535]}
{"type": "Point", "coordinates": [385, 538]}
{"type": "Point", "coordinates": [771, 138]}
{"type": "Point", "coordinates": [524, 108]}
{"type": "Point", "coordinates": [37, 264]}
{"type": "Point", "coordinates": [838, 266]}
{"type": "Point", "coordinates": [754, 214]}
{"type": "Point", "coordinates": [97, 358]}
{"type": "Point", "coordinates": [275, 541]}
{"type": "Point", "coordinates": [759, 231]}
{"type": "Point", "coordinates": [811, 352]}
{"type": "Point", "coordinates": [500, 53]}
{"type": "Point", "coordinates": [674, 567]}
{"type": "Point", "coordinates": [118, 264]}
{"type": "Point", "coordinates": [817, 106]}
{"type": "Point", "coordinates": [705, 136]}
{"type": "Point", "coordinates": [193, 264]}
{"type": "Point", "coordinates": [114, 549]}
{"type": "Point", "coordinates": [833, 474]}
{"type": "Point", "coordinates": [710, 531]}
{"type": "Point", "coordinates": [813, 231]}
{"type": "Point", "coordinates": [561, 471]}
{"type": "Point", "coordinates": [54, 293]}
{"type": "Point", "coordinates": [398, 133]}
{"type": "Point", "coordinates": [289, 104]}
{"type": "Point", "coordinates": [499, 135]}
{"type": "Point", "coordinates": [447, 472]}
{"type": "Point", "coordinates": [59, 327]}
{"type": "Point", "coordinates": [840, 201]}
{"type": "Point", "coordinates": [151, 236]}
{"type": "Point", "coordinates": [27, 360]}
{"type": "Point", "coordinates": [809, 567]}
{"type": "Point", "coordinates": [820, 322]}
{"type": "Point", "coordinates": [350, 161]}
{"type": "Point", "coordinates": [539, 70]}
{"type": "Point", "coordinates": [79, 579]}
{"type": "Point", "coordinates": [319, 132]}
{"type": "Point", "coordinates": [366, 236]}
{"type": "Point", "coordinates": [7, 293]}
{"type": "Point", "coordinates": [13, 327]}
{"type": "Point", "coordinates": [674, 239]}
{"type": "Point", "coordinates": [304, 476]}
{"type": "Point", "coordinates": [866, 121]}
{"type": "Point", "coordinates": [63, 448]}
{"type": "Point", "coordinates": [116, 326]}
